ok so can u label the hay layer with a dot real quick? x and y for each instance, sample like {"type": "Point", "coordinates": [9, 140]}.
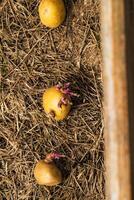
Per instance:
{"type": "Point", "coordinates": [32, 58]}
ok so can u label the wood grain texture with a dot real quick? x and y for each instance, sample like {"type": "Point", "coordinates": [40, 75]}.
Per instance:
{"type": "Point", "coordinates": [116, 101]}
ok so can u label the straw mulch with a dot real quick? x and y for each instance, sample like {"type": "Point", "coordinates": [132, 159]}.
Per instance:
{"type": "Point", "coordinates": [32, 58]}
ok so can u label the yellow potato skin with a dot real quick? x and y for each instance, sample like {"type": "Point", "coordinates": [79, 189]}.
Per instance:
{"type": "Point", "coordinates": [51, 98]}
{"type": "Point", "coordinates": [47, 173]}
{"type": "Point", "coordinates": [52, 12]}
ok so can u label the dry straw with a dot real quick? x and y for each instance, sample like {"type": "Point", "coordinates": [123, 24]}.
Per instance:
{"type": "Point", "coordinates": [32, 58]}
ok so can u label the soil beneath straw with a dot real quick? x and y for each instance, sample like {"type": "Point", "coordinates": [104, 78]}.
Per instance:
{"type": "Point", "coordinates": [32, 58]}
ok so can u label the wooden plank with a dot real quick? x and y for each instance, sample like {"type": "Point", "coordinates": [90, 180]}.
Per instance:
{"type": "Point", "coordinates": [129, 18]}
{"type": "Point", "coordinates": [117, 154]}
